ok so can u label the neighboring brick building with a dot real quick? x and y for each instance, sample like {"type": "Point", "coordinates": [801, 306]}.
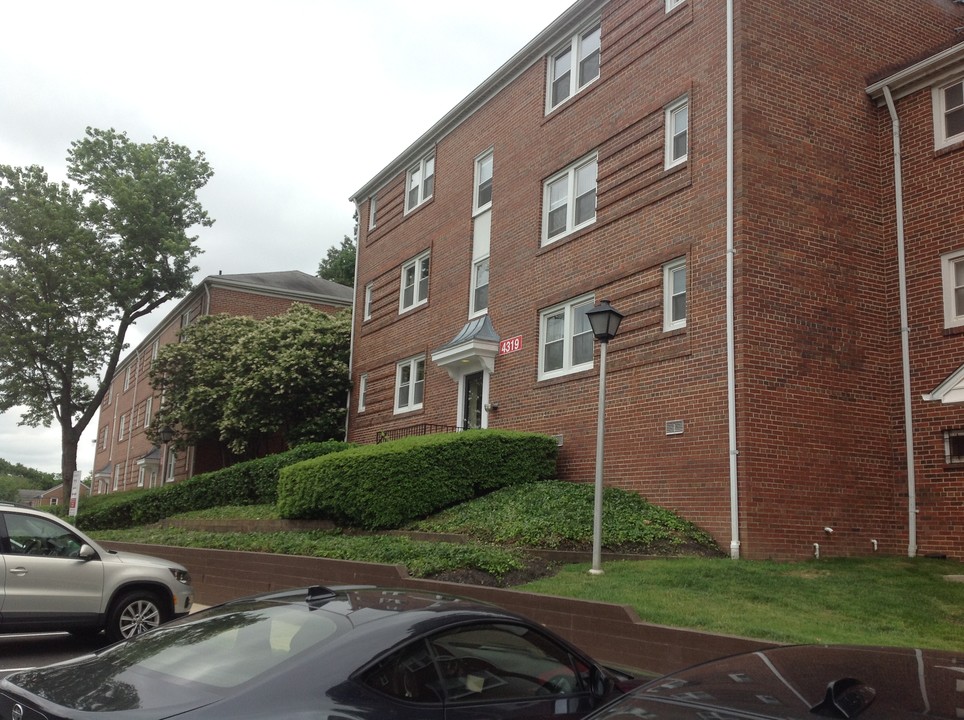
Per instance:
{"type": "Point", "coordinates": [755, 385]}
{"type": "Point", "coordinates": [125, 458]}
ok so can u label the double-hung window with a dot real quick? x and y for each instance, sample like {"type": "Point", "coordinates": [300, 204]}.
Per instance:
{"type": "Point", "coordinates": [573, 66]}
{"type": "Point", "coordinates": [948, 104]}
{"type": "Point", "coordinates": [483, 183]}
{"type": "Point", "coordinates": [367, 312]}
{"type": "Point", "coordinates": [674, 295]}
{"type": "Point", "coordinates": [480, 285]}
{"type": "Point", "coordinates": [565, 338]}
{"type": "Point", "coordinates": [409, 384]}
{"type": "Point", "coordinates": [677, 132]}
{"type": "Point", "coordinates": [148, 410]}
{"type": "Point", "coordinates": [569, 200]}
{"type": "Point", "coordinates": [372, 211]}
{"type": "Point", "coordinates": [362, 391]}
{"type": "Point", "coordinates": [952, 270]}
{"type": "Point", "coordinates": [414, 290]}
{"type": "Point", "coordinates": [420, 182]}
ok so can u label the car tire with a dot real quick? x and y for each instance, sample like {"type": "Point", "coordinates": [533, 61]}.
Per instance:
{"type": "Point", "coordinates": [133, 613]}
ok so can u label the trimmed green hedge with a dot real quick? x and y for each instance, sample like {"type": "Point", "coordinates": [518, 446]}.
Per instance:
{"type": "Point", "coordinates": [249, 483]}
{"type": "Point", "coordinates": [384, 486]}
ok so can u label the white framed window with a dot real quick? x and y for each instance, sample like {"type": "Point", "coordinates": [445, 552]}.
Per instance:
{"type": "Point", "coordinates": [952, 271]}
{"type": "Point", "coordinates": [372, 211]}
{"type": "Point", "coordinates": [148, 409]}
{"type": "Point", "coordinates": [673, 4]}
{"type": "Point", "coordinates": [128, 373]}
{"type": "Point", "coordinates": [121, 427]}
{"type": "Point", "coordinates": [414, 288]}
{"type": "Point", "coordinates": [948, 103]}
{"type": "Point", "coordinates": [480, 286]}
{"type": "Point", "coordinates": [104, 432]}
{"type": "Point", "coordinates": [362, 391]}
{"type": "Point", "coordinates": [573, 67]}
{"type": "Point", "coordinates": [482, 197]}
{"type": "Point", "coordinates": [677, 132]}
{"type": "Point", "coordinates": [140, 476]}
{"type": "Point", "coordinates": [171, 464]}
{"type": "Point", "coordinates": [54, 500]}
{"type": "Point", "coordinates": [569, 200]}
{"type": "Point", "coordinates": [409, 384]}
{"type": "Point", "coordinates": [954, 446]}
{"type": "Point", "coordinates": [155, 348]}
{"type": "Point", "coordinates": [420, 182]}
{"type": "Point", "coordinates": [565, 338]}
{"type": "Point", "coordinates": [674, 294]}
{"type": "Point", "coordinates": [117, 476]}
{"type": "Point", "coordinates": [367, 315]}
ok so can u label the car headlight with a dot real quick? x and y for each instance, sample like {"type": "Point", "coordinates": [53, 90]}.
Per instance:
{"type": "Point", "coordinates": [182, 576]}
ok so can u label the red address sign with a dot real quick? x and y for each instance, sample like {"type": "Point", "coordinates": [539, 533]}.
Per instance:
{"type": "Point", "coordinates": [510, 345]}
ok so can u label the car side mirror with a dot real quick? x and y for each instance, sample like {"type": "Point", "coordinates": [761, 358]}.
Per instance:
{"type": "Point", "coordinates": [600, 684]}
{"type": "Point", "coordinates": [86, 552]}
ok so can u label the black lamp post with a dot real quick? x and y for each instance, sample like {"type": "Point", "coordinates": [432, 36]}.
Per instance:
{"type": "Point", "coordinates": [165, 434]}
{"type": "Point", "coordinates": [604, 320]}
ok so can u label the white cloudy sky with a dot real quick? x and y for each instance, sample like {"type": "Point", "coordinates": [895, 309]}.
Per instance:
{"type": "Point", "coordinates": [295, 103]}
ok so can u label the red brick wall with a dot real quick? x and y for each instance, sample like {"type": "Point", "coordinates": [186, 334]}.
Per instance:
{"type": "Point", "coordinates": [818, 392]}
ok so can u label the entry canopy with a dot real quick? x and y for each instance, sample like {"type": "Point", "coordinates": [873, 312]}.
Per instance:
{"type": "Point", "coordinates": [474, 348]}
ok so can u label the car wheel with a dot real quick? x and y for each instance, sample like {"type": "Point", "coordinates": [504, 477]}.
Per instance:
{"type": "Point", "coordinates": [134, 613]}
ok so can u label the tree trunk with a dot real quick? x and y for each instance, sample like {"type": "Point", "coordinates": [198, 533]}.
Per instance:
{"type": "Point", "coordinates": [68, 459]}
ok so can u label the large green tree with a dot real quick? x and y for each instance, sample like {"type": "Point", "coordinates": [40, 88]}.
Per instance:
{"type": "Point", "coordinates": [241, 381]}
{"type": "Point", "coordinates": [339, 264]}
{"type": "Point", "coordinates": [80, 262]}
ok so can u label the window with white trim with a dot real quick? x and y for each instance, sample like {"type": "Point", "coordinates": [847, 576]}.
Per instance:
{"type": "Point", "coordinates": [128, 373]}
{"type": "Point", "coordinates": [480, 286]}
{"type": "Point", "coordinates": [148, 409]}
{"type": "Point", "coordinates": [362, 391]}
{"type": "Point", "coordinates": [155, 348]}
{"type": "Point", "coordinates": [121, 427]}
{"type": "Point", "coordinates": [954, 446]}
{"type": "Point", "coordinates": [674, 294]}
{"type": "Point", "coordinates": [482, 197]}
{"type": "Point", "coordinates": [420, 182]}
{"type": "Point", "coordinates": [573, 67]}
{"type": "Point", "coordinates": [569, 200]}
{"type": "Point", "coordinates": [367, 315]}
{"type": "Point", "coordinates": [414, 288]}
{"type": "Point", "coordinates": [673, 4]}
{"type": "Point", "coordinates": [372, 211]}
{"type": "Point", "coordinates": [409, 384]}
{"type": "Point", "coordinates": [140, 476]}
{"type": "Point", "coordinates": [952, 271]}
{"type": "Point", "coordinates": [171, 464]}
{"type": "Point", "coordinates": [104, 432]}
{"type": "Point", "coordinates": [565, 338]}
{"type": "Point", "coordinates": [677, 132]}
{"type": "Point", "coordinates": [117, 476]}
{"type": "Point", "coordinates": [948, 102]}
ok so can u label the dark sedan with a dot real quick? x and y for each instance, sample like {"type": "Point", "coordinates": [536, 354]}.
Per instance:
{"type": "Point", "coordinates": [805, 682]}
{"type": "Point", "coordinates": [344, 654]}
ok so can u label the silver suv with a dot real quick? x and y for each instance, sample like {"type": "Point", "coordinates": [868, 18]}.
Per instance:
{"type": "Point", "coordinates": [53, 577]}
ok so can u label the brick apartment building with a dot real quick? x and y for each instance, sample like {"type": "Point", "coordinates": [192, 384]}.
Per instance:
{"type": "Point", "coordinates": [790, 369]}
{"type": "Point", "coordinates": [125, 459]}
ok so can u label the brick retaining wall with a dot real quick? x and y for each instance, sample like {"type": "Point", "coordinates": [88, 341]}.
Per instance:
{"type": "Point", "coordinates": [611, 633]}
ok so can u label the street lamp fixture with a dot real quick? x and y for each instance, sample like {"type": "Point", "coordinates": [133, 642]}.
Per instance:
{"type": "Point", "coordinates": [604, 320]}
{"type": "Point", "coordinates": [165, 434]}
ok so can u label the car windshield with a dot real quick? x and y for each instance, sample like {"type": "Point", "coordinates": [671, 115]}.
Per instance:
{"type": "Point", "coordinates": [195, 660]}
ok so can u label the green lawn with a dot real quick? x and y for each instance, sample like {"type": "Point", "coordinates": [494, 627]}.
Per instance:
{"type": "Point", "coordinates": [877, 601]}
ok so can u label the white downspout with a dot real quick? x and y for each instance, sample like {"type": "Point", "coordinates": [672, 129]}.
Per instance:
{"type": "Point", "coordinates": [730, 332]}
{"type": "Point", "coordinates": [351, 336]}
{"type": "Point", "coordinates": [904, 333]}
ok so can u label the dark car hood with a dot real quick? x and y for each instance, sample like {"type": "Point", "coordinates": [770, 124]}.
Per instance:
{"type": "Point", "coordinates": [806, 682]}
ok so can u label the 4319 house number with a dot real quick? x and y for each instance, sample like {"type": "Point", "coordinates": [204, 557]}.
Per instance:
{"type": "Point", "coordinates": [510, 345]}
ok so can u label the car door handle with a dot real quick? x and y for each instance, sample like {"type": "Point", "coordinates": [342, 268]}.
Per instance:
{"type": "Point", "coordinates": [18, 570]}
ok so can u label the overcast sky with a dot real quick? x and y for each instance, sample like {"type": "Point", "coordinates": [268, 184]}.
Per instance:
{"type": "Point", "coordinates": [295, 103]}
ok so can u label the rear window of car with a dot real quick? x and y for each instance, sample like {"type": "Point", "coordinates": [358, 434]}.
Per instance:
{"type": "Point", "coordinates": [230, 647]}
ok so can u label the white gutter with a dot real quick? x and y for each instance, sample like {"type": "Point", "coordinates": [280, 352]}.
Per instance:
{"type": "Point", "coordinates": [904, 332]}
{"type": "Point", "coordinates": [730, 321]}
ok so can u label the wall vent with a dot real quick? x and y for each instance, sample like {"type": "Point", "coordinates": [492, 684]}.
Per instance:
{"type": "Point", "coordinates": [674, 427]}
{"type": "Point", "coordinates": [558, 440]}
